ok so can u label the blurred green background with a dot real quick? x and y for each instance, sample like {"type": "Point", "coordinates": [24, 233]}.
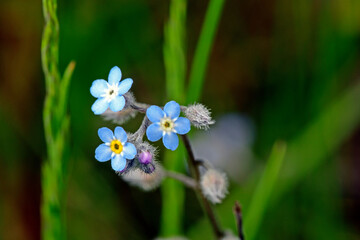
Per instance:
{"type": "Point", "coordinates": [290, 68]}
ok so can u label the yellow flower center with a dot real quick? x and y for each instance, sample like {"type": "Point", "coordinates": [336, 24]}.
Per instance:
{"type": "Point", "coordinates": [116, 146]}
{"type": "Point", "coordinates": [167, 124]}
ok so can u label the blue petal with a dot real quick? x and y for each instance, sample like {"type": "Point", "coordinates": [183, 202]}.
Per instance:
{"type": "Point", "coordinates": [125, 86]}
{"type": "Point", "coordinates": [182, 125]}
{"type": "Point", "coordinates": [100, 106]}
{"type": "Point", "coordinates": [129, 150]}
{"type": "Point", "coordinates": [154, 132]}
{"type": "Point", "coordinates": [117, 104]}
{"type": "Point", "coordinates": [120, 134]}
{"type": "Point", "coordinates": [172, 109]}
{"type": "Point", "coordinates": [103, 153]}
{"type": "Point", "coordinates": [98, 88]}
{"type": "Point", "coordinates": [118, 162]}
{"type": "Point", "coordinates": [171, 141]}
{"type": "Point", "coordinates": [114, 75]}
{"type": "Point", "coordinates": [155, 113]}
{"type": "Point", "coordinates": [105, 134]}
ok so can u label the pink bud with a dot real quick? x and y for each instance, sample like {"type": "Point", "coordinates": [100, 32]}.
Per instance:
{"type": "Point", "coordinates": [145, 157]}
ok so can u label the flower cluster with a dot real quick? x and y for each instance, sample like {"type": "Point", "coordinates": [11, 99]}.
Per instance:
{"type": "Point", "coordinates": [132, 157]}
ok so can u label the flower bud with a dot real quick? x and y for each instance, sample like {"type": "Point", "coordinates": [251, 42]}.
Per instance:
{"type": "Point", "coordinates": [214, 185]}
{"type": "Point", "coordinates": [145, 161]}
{"type": "Point", "coordinates": [199, 116]}
{"type": "Point", "coordinates": [145, 157]}
{"type": "Point", "coordinates": [145, 181]}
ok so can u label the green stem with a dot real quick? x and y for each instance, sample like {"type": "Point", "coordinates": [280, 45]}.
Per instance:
{"type": "Point", "coordinates": [175, 65]}
{"type": "Point", "coordinates": [56, 127]}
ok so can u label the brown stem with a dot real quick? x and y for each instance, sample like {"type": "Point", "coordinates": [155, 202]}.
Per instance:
{"type": "Point", "coordinates": [193, 166]}
{"type": "Point", "coordinates": [238, 217]}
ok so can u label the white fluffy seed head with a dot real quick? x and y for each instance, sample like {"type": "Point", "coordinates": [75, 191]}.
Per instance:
{"type": "Point", "coordinates": [229, 236]}
{"type": "Point", "coordinates": [199, 116]}
{"type": "Point", "coordinates": [145, 181]}
{"type": "Point", "coordinates": [214, 185]}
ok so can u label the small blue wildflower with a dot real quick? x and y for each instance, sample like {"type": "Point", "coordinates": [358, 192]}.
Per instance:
{"type": "Point", "coordinates": [115, 147]}
{"type": "Point", "coordinates": [166, 124]}
{"type": "Point", "coordinates": [110, 93]}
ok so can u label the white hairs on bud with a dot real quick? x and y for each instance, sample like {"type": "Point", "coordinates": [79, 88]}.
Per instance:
{"type": "Point", "coordinates": [145, 181]}
{"type": "Point", "coordinates": [119, 117]}
{"type": "Point", "coordinates": [214, 185]}
{"type": "Point", "coordinates": [124, 115]}
{"type": "Point", "coordinates": [199, 116]}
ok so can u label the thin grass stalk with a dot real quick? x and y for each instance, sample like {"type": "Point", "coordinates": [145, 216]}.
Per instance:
{"type": "Point", "coordinates": [203, 49]}
{"type": "Point", "coordinates": [56, 127]}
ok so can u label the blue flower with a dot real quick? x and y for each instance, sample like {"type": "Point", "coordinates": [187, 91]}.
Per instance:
{"type": "Point", "coordinates": [166, 124]}
{"type": "Point", "coordinates": [115, 147]}
{"type": "Point", "coordinates": [110, 93]}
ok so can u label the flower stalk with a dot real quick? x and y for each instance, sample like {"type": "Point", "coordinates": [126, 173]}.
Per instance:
{"type": "Point", "coordinates": [238, 218]}
{"type": "Point", "coordinates": [193, 166]}
{"type": "Point", "coordinates": [187, 181]}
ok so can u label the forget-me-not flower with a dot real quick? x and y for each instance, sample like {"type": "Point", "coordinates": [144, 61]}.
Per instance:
{"type": "Point", "coordinates": [166, 124]}
{"type": "Point", "coordinates": [110, 93]}
{"type": "Point", "coordinates": [115, 147]}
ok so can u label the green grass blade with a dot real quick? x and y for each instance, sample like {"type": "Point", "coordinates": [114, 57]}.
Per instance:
{"type": "Point", "coordinates": [175, 67]}
{"type": "Point", "coordinates": [263, 191]}
{"type": "Point", "coordinates": [202, 52]}
{"type": "Point", "coordinates": [63, 92]}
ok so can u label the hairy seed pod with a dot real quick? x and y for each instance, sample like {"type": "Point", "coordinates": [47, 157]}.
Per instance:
{"type": "Point", "coordinates": [145, 181]}
{"type": "Point", "coordinates": [199, 116]}
{"type": "Point", "coordinates": [214, 185]}
{"type": "Point", "coordinates": [229, 235]}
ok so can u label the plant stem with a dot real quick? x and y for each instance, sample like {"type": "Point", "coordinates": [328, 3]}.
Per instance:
{"type": "Point", "coordinates": [193, 166]}
{"type": "Point", "coordinates": [56, 128]}
{"type": "Point", "coordinates": [238, 218]}
{"type": "Point", "coordinates": [172, 191]}
{"type": "Point", "coordinates": [187, 181]}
